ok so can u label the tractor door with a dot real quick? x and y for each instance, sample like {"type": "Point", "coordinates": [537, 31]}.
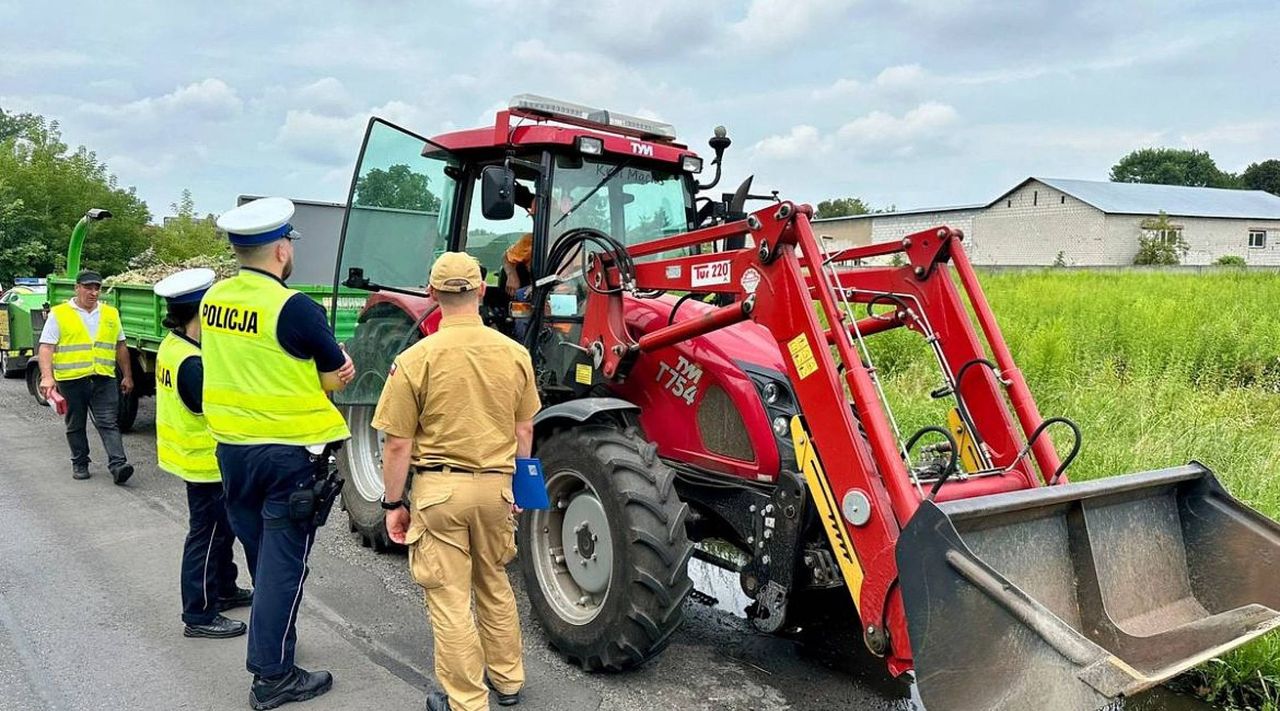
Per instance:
{"type": "Point", "coordinates": [400, 216]}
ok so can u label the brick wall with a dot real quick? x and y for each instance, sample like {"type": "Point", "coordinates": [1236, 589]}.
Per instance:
{"type": "Point", "coordinates": [1208, 238]}
{"type": "Point", "coordinates": [1033, 224]}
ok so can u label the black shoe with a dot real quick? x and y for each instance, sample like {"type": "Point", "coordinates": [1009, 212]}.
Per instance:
{"type": "Point", "coordinates": [121, 473]}
{"type": "Point", "coordinates": [80, 473]}
{"type": "Point", "coordinates": [438, 701]}
{"type": "Point", "coordinates": [217, 628]}
{"type": "Point", "coordinates": [297, 685]}
{"type": "Point", "coordinates": [239, 598]}
{"type": "Point", "coordinates": [503, 699]}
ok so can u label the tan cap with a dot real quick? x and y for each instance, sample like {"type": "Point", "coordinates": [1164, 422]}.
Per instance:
{"type": "Point", "coordinates": [456, 272]}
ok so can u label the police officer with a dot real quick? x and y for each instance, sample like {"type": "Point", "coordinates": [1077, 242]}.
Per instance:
{"type": "Point", "coordinates": [269, 359]}
{"type": "Point", "coordinates": [459, 407]}
{"type": "Point", "coordinates": [185, 449]}
{"type": "Point", "coordinates": [80, 346]}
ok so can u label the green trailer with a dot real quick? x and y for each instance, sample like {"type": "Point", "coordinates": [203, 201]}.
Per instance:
{"type": "Point", "coordinates": [142, 312]}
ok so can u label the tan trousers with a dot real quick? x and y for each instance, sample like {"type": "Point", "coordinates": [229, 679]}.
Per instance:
{"type": "Point", "coordinates": [460, 538]}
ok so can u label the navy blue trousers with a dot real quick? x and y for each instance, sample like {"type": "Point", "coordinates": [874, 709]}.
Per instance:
{"type": "Point", "coordinates": [258, 480]}
{"type": "Point", "coordinates": [208, 568]}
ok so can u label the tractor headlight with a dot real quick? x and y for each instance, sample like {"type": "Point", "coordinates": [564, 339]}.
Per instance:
{"type": "Point", "coordinates": [772, 393]}
{"type": "Point", "coordinates": [590, 145]}
{"type": "Point", "coordinates": [781, 426]}
{"type": "Point", "coordinates": [691, 164]}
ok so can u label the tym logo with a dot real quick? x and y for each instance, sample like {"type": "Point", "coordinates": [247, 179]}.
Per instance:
{"type": "Point", "coordinates": [642, 149]}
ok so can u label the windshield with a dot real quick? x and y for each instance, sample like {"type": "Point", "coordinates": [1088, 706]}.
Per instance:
{"type": "Point", "coordinates": [399, 214]}
{"type": "Point", "coordinates": [632, 203]}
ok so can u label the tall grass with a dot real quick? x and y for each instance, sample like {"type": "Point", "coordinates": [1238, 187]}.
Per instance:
{"type": "Point", "coordinates": [1157, 369]}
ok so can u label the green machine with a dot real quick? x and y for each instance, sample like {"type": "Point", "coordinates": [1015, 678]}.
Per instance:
{"type": "Point", "coordinates": [17, 339]}
{"type": "Point", "coordinates": [142, 312]}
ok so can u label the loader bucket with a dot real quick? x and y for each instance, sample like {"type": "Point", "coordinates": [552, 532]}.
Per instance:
{"type": "Point", "coordinates": [1077, 595]}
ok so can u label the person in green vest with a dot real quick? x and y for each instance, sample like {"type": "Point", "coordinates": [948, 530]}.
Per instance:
{"type": "Point", "coordinates": [270, 360]}
{"type": "Point", "coordinates": [80, 346]}
{"type": "Point", "coordinates": [185, 449]}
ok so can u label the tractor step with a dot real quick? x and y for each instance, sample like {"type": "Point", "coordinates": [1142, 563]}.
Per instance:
{"type": "Point", "coordinates": [1083, 593]}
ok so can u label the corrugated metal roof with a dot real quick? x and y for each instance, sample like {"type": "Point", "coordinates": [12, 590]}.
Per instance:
{"type": "Point", "coordinates": [1146, 199]}
{"type": "Point", "coordinates": [913, 211]}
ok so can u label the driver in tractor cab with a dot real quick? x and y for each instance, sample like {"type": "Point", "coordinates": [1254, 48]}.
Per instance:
{"type": "Point", "coordinates": [517, 261]}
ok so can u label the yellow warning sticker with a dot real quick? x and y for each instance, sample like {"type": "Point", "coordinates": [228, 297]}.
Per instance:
{"type": "Point", "coordinates": [582, 374]}
{"type": "Point", "coordinates": [802, 356]}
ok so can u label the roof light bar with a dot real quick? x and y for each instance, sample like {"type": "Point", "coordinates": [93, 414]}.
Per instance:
{"type": "Point", "coordinates": [580, 115]}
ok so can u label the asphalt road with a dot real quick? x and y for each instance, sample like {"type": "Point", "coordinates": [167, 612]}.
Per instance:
{"type": "Point", "coordinates": [89, 612]}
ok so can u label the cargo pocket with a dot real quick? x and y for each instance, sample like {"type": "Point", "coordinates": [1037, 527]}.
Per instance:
{"type": "Point", "coordinates": [509, 542]}
{"type": "Point", "coordinates": [424, 549]}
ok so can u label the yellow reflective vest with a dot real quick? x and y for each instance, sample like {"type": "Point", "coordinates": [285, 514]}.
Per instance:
{"type": "Point", "coordinates": [255, 392]}
{"type": "Point", "coordinates": [78, 353]}
{"type": "Point", "coordinates": [184, 446]}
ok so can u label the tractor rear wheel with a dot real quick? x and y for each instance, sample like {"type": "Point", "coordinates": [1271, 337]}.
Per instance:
{"type": "Point", "coordinates": [606, 568]}
{"type": "Point", "coordinates": [360, 465]}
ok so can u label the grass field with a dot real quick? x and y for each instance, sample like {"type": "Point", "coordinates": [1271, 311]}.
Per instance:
{"type": "Point", "coordinates": [1157, 368]}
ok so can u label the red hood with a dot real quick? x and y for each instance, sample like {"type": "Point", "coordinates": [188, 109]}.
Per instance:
{"type": "Point", "coordinates": [746, 342]}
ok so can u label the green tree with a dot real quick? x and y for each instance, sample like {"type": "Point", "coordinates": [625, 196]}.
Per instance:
{"type": "Point", "coordinates": [45, 188]}
{"type": "Point", "coordinates": [396, 187]}
{"type": "Point", "coordinates": [1160, 243]}
{"type": "Point", "coordinates": [842, 207]}
{"type": "Point", "coordinates": [1262, 176]}
{"type": "Point", "coordinates": [1172, 166]}
{"type": "Point", "coordinates": [186, 234]}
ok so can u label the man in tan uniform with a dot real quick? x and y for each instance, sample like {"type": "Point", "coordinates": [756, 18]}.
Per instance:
{"type": "Point", "coordinates": [458, 406]}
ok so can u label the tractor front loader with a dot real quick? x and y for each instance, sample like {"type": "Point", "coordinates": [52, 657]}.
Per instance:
{"type": "Point", "coordinates": [710, 392]}
{"type": "Point", "coordinates": [1079, 593]}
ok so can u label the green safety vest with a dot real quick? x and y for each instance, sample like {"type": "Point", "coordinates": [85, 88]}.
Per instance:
{"type": "Point", "coordinates": [184, 446]}
{"type": "Point", "coordinates": [255, 392]}
{"type": "Point", "coordinates": [79, 354]}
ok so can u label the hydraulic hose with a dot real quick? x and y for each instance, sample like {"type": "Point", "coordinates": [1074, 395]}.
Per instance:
{"type": "Point", "coordinates": [951, 465]}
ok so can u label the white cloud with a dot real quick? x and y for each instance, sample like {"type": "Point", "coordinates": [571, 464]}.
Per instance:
{"type": "Point", "coordinates": [770, 24]}
{"type": "Point", "coordinates": [802, 141]}
{"type": "Point", "coordinates": [21, 61]}
{"type": "Point", "coordinates": [1246, 133]}
{"type": "Point", "coordinates": [880, 129]}
{"type": "Point", "coordinates": [208, 100]}
{"type": "Point", "coordinates": [902, 76]}
{"type": "Point", "coordinates": [335, 140]}
{"type": "Point", "coordinates": [327, 96]}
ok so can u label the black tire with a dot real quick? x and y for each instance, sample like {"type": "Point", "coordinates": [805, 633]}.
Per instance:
{"type": "Point", "coordinates": [127, 411]}
{"type": "Point", "coordinates": [8, 368]}
{"type": "Point", "coordinates": [33, 384]}
{"type": "Point", "coordinates": [361, 460]}
{"type": "Point", "coordinates": [376, 342]}
{"type": "Point", "coordinates": [634, 618]}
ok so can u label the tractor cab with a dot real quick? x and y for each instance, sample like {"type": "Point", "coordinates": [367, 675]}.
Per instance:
{"type": "Point", "coordinates": [506, 194]}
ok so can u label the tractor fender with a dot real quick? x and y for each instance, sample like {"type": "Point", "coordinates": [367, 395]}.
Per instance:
{"type": "Point", "coordinates": [577, 412]}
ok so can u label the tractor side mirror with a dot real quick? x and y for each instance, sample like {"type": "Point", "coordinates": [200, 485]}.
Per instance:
{"type": "Point", "coordinates": [497, 192]}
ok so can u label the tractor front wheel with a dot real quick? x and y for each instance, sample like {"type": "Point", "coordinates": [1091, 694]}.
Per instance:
{"type": "Point", "coordinates": [606, 567]}
{"type": "Point", "coordinates": [360, 465]}
{"type": "Point", "coordinates": [33, 384]}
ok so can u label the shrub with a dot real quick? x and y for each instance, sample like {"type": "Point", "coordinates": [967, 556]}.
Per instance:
{"type": "Point", "coordinates": [1230, 260]}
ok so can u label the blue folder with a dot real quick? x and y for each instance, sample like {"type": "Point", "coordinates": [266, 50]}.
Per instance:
{"type": "Point", "coordinates": [529, 486]}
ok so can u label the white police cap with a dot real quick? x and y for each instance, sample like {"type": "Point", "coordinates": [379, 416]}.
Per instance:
{"type": "Point", "coordinates": [185, 286]}
{"type": "Point", "coordinates": [258, 222]}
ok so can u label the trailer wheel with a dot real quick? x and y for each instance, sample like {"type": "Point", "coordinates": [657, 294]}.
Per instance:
{"type": "Point", "coordinates": [606, 568]}
{"type": "Point", "coordinates": [127, 410]}
{"type": "Point", "coordinates": [33, 384]}
{"type": "Point", "coordinates": [360, 464]}
{"type": "Point", "coordinates": [7, 367]}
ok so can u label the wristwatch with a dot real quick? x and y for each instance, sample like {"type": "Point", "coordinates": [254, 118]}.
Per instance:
{"type": "Point", "coordinates": [392, 505]}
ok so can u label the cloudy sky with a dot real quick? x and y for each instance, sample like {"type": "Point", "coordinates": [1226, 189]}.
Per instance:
{"type": "Point", "coordinates": [906, 102]}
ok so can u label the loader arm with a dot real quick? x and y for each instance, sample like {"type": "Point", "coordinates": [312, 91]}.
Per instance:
{"type": "Point", "coordinates": [1056, 566]}
{"type": "Point", "coordinates": [851, 466]}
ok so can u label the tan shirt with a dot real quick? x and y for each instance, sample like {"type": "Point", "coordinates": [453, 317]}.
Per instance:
{"type": "Point", "coordinates": [458, 394]}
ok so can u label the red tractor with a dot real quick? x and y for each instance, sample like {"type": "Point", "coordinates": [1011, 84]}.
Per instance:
{"type": "Point", "coordinates": [707, 374]}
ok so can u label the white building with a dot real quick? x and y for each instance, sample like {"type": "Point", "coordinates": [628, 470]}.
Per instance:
{"type": "Point", "coordinates": [1041, 221]}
